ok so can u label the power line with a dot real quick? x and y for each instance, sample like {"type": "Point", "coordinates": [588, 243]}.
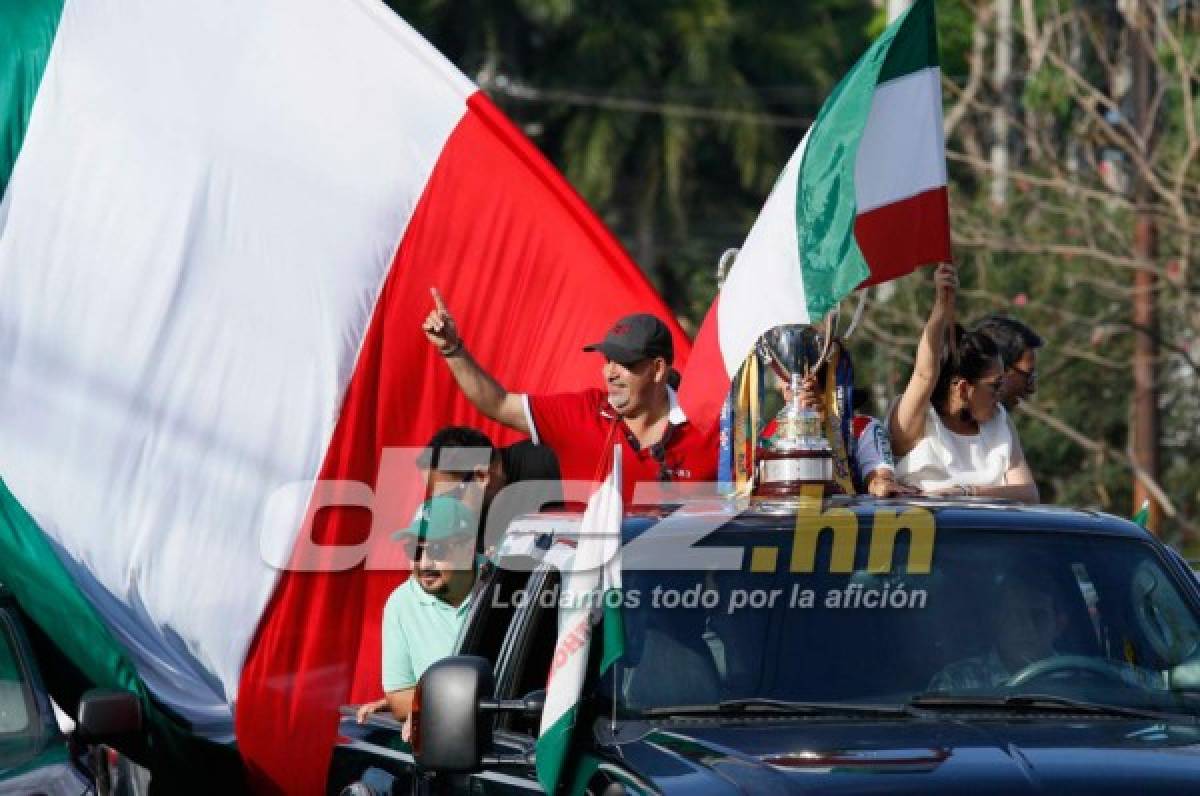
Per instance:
{"type": "Point", "coordinates": [524, 92]}
{"type": "Point", "coordinates": [527, 93]}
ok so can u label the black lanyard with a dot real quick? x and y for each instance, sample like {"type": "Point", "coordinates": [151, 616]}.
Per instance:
{"type": "Point", "coordinates": [658, 451]}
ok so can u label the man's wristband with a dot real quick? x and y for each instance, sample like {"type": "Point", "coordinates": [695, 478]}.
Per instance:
{"type": "Point", "coordinates": [452, 350]}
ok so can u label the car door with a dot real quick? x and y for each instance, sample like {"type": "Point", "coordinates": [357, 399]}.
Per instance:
{"type": "Point", "coordinates": [374, 753]}
{"type": "Point", "coordinates": [525, 660]}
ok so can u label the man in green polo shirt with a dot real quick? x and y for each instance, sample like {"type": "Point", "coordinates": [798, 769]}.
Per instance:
{"type": "Point", "coordinates": [423, 616]}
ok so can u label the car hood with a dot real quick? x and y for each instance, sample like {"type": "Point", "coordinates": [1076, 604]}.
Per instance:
{"type": "Point", "coordinates": [918, 757]}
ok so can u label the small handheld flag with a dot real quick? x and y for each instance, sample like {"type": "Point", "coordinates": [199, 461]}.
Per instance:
{"type": "Point", "coordinates": [595, 572]}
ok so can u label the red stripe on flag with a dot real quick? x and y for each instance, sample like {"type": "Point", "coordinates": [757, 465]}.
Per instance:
{"type": "Point", "coordinates": [706, 381]}
{"type": "Point", "coordinates": [898, 238]}
{"type": "Point", "coordinates": [531, 276]}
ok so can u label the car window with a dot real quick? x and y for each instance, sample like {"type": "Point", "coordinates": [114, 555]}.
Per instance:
{"type": "Point", "coordinates": [15, 715]}
{"type": "Point", "coordinates": [532, 650]}
{"type": "Point", "coordinates": [18, 724]}
{"type": "Point", "coordinates": [492, 612]}
{"type": "Point", "coordinates": [1093, 617]}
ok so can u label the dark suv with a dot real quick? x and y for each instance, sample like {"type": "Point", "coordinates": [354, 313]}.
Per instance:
{"type": "Point", "coordinates": [856, 646]}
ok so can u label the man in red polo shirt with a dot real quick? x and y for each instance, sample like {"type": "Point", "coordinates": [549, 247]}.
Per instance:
{"type": "Point", "coordinates": [637, 409]}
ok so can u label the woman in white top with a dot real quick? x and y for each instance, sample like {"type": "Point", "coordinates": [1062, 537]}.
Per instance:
{"type": "Point", "coordinates": [949, 433]}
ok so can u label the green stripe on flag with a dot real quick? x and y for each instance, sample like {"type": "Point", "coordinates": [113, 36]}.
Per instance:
{"type": "Point", "coordinates": [553, 745]}
{"type": "Point", "coordinates": [613, 631]}
{"type": "Point", "coordinates": [915, 46]}
{"type": "Point", "coordinates": [551, 750]}
{"type": "Point", "coordinates": [27, 29]}
{"type": "Point", "coordinates": [831, 263]}
{"type": "Point", "coordinates": [31, 570]}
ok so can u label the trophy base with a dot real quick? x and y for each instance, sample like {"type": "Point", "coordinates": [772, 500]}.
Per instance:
{"type": "Point", "coordinates": [787, 473]}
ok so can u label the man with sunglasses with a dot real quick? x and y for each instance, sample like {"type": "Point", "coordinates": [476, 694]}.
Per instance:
{"type": "Point", "coordinates": [423, 616]}
{"type": "Point", "coordinates": [636, 409]}
{"type": "Point", "coordinates": [1018, 345]}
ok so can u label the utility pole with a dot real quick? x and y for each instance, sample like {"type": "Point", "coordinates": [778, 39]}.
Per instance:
{"type": "Point", "coordinates": [1001, 72]}
{"type": "Point", "coordinates": [1145, 420]}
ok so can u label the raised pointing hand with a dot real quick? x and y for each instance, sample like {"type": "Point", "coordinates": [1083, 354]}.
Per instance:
{"type": "Point", "coordinates": [439, 325]}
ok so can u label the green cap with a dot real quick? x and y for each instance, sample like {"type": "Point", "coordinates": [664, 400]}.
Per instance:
{"type": "Point", "coordinates": [441, 518]}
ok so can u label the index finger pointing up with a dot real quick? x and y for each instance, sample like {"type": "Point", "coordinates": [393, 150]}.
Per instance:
{"type": "Point", "coordinates": [438, 301]}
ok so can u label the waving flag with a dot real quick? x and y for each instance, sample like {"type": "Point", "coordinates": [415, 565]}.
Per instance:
{"type": "Point", "coordinates": [219, 225]}
{"type": "Point", "coordinates": [591, 590]}
{"type": "Point", "coordinates": [861, 201]}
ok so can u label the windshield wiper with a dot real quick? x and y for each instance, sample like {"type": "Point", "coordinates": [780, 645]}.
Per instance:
{"type": "Point", "coordinates": [1034, 702]}
{"type": "Point", "coordinates": [781, 706]}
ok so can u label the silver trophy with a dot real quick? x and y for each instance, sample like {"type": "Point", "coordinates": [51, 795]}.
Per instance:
{"type": "Point", "coordinates": [796, 453]}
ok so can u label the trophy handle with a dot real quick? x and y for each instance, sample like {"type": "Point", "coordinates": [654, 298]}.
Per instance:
{"type": "Point", "coordinates": [858, 313]}
{"type": "Point", "coordinates": [830, 327]}
{"type": "Point", "coordinates": [768, 356]}
{"type": "Point", "coordinates": [831, 321]}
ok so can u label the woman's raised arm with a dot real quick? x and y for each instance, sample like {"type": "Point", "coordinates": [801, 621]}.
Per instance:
{"type": "Point", "coordinates": [907, 421]}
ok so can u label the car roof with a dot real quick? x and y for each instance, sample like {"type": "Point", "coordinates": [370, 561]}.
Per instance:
{"type": "Point", "coordinates": [779, 514]}
{"type": "Point", "coordinates": [961, 513]}
{"type": "Point", "coordinates": [534, 534]}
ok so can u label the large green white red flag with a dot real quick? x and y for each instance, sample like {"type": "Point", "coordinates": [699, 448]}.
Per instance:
{"type": "Point", "coordinates": [591, 594]}
{"type": "Point", "coordinates": [219, 224]}
{"type": "Point", "coordinates": [861, 201]}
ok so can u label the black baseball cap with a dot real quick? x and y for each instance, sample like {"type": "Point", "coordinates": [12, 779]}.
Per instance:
{"type": "Point", "coordinates": [634, 338]}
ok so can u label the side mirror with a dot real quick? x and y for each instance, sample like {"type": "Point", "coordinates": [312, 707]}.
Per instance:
{"type": "Point", "coordinates": [447, 731]}
{"type": "Point", "coordinates": [107, 714]}
{"type": "Point", "coordinates": [1185, 676]}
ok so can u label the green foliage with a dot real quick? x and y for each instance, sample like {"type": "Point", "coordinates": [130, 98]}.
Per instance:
{"type": "Point", "coordinates": [955, 29]}
{"type": "Point", "coordinates": [1049, 92]}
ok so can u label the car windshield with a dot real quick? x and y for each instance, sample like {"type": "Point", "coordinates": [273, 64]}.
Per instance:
{"type": "Point", "coordinates": [1076, 617]}
{"type": "Point", "coordinates": [18, 729]}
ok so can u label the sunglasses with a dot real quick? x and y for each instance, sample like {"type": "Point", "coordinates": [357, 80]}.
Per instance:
{"type": "Point", "coordinates": [1030, 376]}
{"type": "Point", "coordinates": [440, 550]}
{"type": "Point", "coordinates": [456, 488]}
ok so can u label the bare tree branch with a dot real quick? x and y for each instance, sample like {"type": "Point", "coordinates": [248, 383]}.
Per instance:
{"type": "Point", "coordinates": [967, 95]}
{"type": "Point", "coordinates": [1102, 448]}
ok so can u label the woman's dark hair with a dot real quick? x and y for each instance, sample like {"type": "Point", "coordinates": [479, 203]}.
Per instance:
{"type": "Point", "coordinates": [975, 353]}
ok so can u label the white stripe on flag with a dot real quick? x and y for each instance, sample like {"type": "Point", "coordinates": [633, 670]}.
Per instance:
{"type": "Point", "coordinates": [207, 202]}
{"type": "Point", "coordinates": [764, 287]}
{"type": "Point", "coordinates": [902, 151]}
{"type": "Point", "coordinates": [590, 569]}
